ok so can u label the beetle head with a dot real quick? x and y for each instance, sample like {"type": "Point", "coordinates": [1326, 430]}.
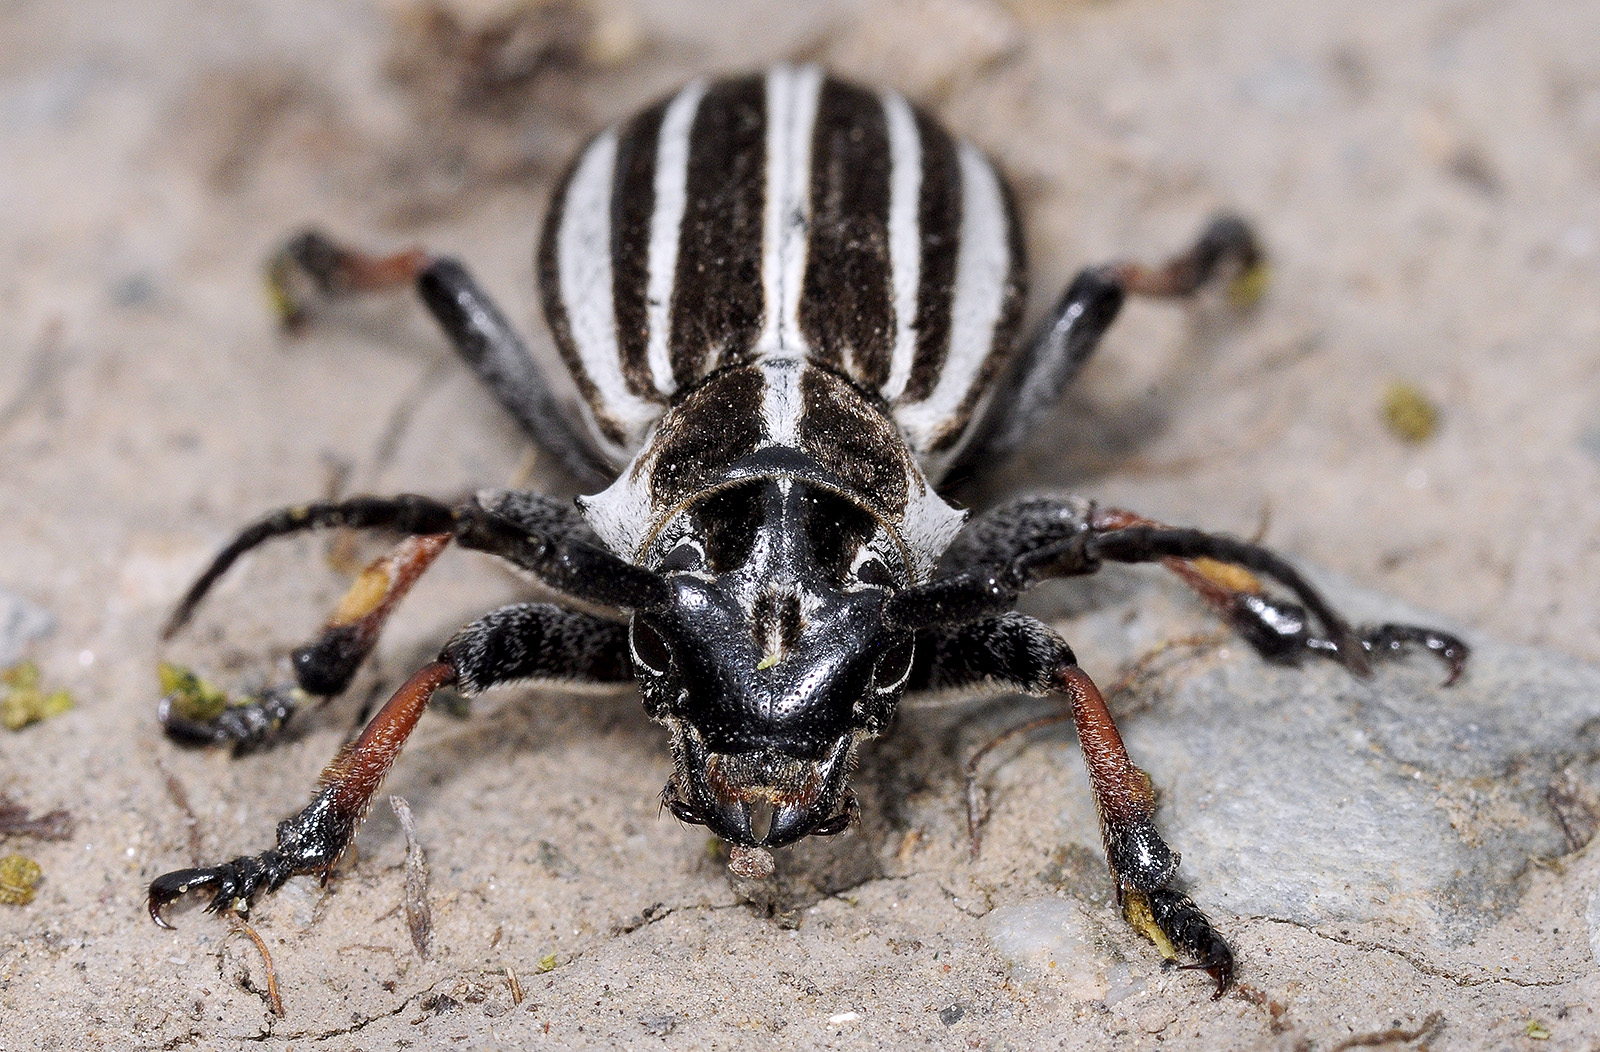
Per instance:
{"type": "Point", "coordinates": [771, 661]}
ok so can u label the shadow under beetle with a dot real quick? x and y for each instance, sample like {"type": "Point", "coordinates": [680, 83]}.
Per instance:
{"type": "Point", "coordinates": [790, 309]}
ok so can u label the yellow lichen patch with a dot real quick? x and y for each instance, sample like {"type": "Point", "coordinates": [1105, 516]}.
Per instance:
{"type": "Point", "coordinates": [24, 701]}
{"type": "Point", "coordinates": [1136, 908]}
{"type": "Point", "coordinates": [192, 697]}
{"type": "Point", "coordinates": [1409, 414]}
{"type": "Point", "coordinates": [366, 592]}
{"type": "Point", "coordinates": [19, 879]}
{"type": "Point", "coordinates": [1247, 289]}
{"type": "Point", "coordinates": [1234, 578]}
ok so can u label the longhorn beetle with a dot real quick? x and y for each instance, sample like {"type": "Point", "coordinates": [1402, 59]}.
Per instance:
{"type": "Point", "coordinates": [790, 307]}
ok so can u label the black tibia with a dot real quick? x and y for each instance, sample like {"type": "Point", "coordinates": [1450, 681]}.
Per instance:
{"type": "Point", "coordinates": [1019, 653]}
{"type": "Point", "coordinates": [523, 529]}
{"type": "Point", "coordinates": [1070, 332]}
{"type": "Point", "coordinates": [487, 343]}
{"type": "Point", "coordinates": [312, 265]}
{"type": "Point", "coordinates": [406, 514]}
{"type": "Point", "coordinates": [537, 641]}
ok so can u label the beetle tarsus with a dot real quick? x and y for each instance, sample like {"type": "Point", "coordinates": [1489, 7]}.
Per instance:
{"type": "Point", "coordinates": [245, 726]}
{"type": "Point", "coordinates": [1191, 932]}
{"type": "Point", "coordinates": [233, 885]}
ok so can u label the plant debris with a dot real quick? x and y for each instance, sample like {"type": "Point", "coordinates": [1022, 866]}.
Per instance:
{"type": "Point", "coordinates": [419, 919]}
{"type": "Point", "coordinates": [190, 696]}
{"type": "Point", "coordinates": [15, 821]}
{"type": "Point", "coordinates": [242, 928]}
{"type": "Point", "coordinates": [1410, 415]}
{"type": "Point", "coordinates": [24, 701]}
{"type": "Point", "coordinates": [19, 879]}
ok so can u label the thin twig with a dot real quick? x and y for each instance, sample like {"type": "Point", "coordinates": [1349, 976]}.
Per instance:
{"type": "Point", "coordinates": [273, 999]}
{"type": "Point", "coordinates": [1385, 1037]}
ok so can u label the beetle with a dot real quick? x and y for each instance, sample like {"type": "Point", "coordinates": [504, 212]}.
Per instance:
{"type": "Point", "coordinates": [790, 307]}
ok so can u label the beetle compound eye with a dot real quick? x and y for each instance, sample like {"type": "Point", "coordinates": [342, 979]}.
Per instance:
{"type": "Point", "coordinates": [649, 647]}
{"type": "Point", "coordinates": [874, 572]}
{"type": "Point", "coordinates": [686, 556]}
{"type": "Point", "coordinates": [894, 667]}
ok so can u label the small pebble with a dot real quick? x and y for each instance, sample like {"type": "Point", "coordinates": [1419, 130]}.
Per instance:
{"type": "Point", "coordinates": [21, 622]}
{"type": "Point", "coordinates": [752, 863]}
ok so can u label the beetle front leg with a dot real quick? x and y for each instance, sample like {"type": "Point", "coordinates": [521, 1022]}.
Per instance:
{"type": "Point", "coordinates": [313, 840]}
{"type": "Point", "coordinates": [526, 641]}
{"type": "Point", "coordinates": [1014, 546]}
{"type": "Point", "coordinates": [1015, 652]}
{"type": "Point", "coordinates": [1221, 570]}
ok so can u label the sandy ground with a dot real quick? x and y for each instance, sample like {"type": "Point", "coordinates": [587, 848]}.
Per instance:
{"type": "Point", "coordinates": [1425, 175]}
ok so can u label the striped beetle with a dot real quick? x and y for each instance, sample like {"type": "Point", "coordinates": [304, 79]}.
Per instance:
{"type": "Point", "coordinates": [789, 306]}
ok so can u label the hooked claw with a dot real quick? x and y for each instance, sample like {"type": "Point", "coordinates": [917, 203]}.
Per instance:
{"type": "Point", "coordinates": [1182, 922]}
{"type": "Point", "coordinates": [236, 883]}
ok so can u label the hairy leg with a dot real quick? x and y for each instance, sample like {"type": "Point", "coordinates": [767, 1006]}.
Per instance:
{"type": "Point", "coordinates": [534, 641]}
{"type": "Point", "coordinates": [1018, 653]}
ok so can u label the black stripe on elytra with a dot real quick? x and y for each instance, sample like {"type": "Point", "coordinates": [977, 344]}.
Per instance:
{"type": "Point", "coordinates": [854, 440]}
{"type": "Point", "coordinates": [555, 310]}
{"type": "Point", "coordinates": [1006, 324]}
{"type": "Point", "coordinates": [714, 425]}
{"type": "Point", "coordinates": [633, 201]}
{"type": "Point", "coordinates": [939, 219]}
{"type": "Point", "coordinates": [846, 304]}
{"type": "Point", "coordinates": [717, 293]}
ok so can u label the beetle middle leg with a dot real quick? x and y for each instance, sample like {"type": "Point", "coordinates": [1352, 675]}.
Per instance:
{"type": "Point", "coordinates": [526, 641]}
{"type": "Point", "coordinates": [1015, 652]}
{"type": "Point", "coordinates": [326, 665]}
{"type": "Point", "coordinates": [1015, 545]}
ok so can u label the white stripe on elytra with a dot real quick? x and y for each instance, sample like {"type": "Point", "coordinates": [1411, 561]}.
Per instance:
{"type": "Point", "coordinates": [983, 263]}
{"type": "Point", "coordinates": [792, 96]}
{"type": "Point", "coordinates": [584, 271]}
{"type": "Point", "coordinates": [666, 227]}
{"type": "Point", "coordinates": [905, 236]}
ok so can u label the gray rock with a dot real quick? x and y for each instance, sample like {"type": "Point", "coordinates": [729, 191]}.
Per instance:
{"type": "Point", "coordinates": [21, 622]}
{"type": "Point", "coordinates": [1305, 794]}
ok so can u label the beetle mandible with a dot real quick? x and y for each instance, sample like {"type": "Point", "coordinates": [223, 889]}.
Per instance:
{"type": "Point", "coordinates": [790, 306]}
